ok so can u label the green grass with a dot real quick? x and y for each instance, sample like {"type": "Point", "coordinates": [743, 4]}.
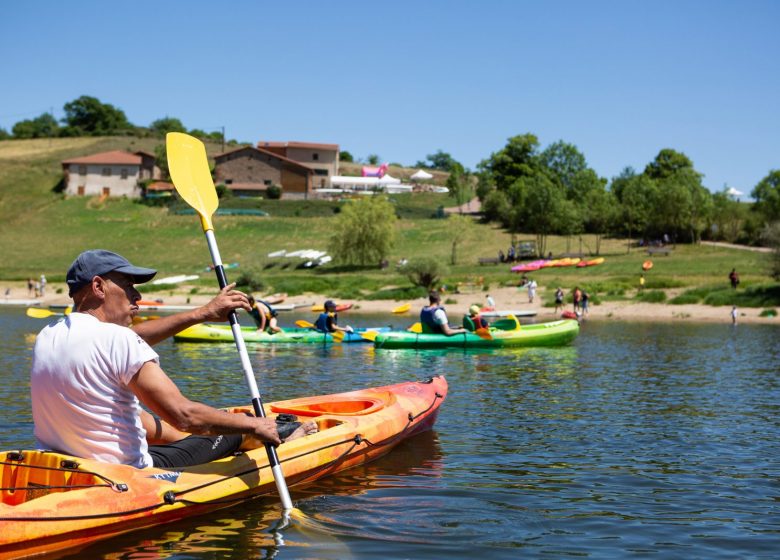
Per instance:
{"type": "Point", "coordinates": [42, 231]}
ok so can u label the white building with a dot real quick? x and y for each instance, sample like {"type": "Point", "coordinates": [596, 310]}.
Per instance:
{"type": "Point", "coordinates": [116, 173]}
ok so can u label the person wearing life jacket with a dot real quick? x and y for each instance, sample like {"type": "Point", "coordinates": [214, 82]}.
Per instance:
{"type": "Point", "coordinates": [328, 320]}
{"type": "Point", "coordinates": [474, 320]}
{"type": "Point", "coordinates": [264, 316]}
{"type": "Point", "coordinates": [433, 318]}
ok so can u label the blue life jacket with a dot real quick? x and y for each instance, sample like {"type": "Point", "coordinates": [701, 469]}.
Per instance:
{"type": "Point", "coordinates": [426, 319]}
{"type": "Point", "coordinates": [323, 324]}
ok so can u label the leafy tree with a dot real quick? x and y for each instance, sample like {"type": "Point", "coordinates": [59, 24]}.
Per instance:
{"type": "Point", "coordinates": [344, 155]}
{"type": "Point", "coordinates": [274, 192]}
{"type": "Point", "coordinates": [767, 195]}
{"type": "Point", "coordinates": [93, 118]}
{"type": "Point", "coordinates": [163, 126]}
{"type": "Point", "coordinates": [667, 163]}
{"type": "Point", "coordinates": [44, 126]}
{"type": "Point", "coordinates": [4, 134]}
{"type": "Point", "coordinates": [161, 159]}
{"type": "Point", "coordinates": [425, 272]}
{"type": "Point", "coordinates": [771, 236]}
{"type": "Point", "coordinates": [542, 207]}
{"type": "Point", "coordinates": [638, 195]}
{"type": "Point", "coordinates": [440, 160]}
{"type": "Point", "coordinates": [564, 161]}
{"type": "Point", "coordinates": [364, 231]}
{"type": "Point", "coordinates": [460, 184]}
{"type": "Point", "coordinates": [601, 213]}
{"type": "Point", "coordinates": [619, 183]}
{"type": "Point", "coordinates": [459, 229]}
{"type": "Point", "coordinates": [728, 217]}
{"type": "Point", "coordinates": [517, 159]}
{"type": "Point", "coordinates": [373, 159]}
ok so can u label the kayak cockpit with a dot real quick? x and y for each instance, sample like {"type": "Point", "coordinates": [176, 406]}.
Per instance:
{"type": "Point", "coordinates": [358, 406]}
{"type": "Point", "coordinates": [27, 475]}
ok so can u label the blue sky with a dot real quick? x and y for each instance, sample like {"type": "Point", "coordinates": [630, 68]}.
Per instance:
{"type": "Point", "coordinates": [620, 80]}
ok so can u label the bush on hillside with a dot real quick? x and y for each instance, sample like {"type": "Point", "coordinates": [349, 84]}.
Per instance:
{"type": "Point", "coordinates": [651, 296]}
{"type": "Point", "coordinates": [425, 272]}
{"type": "Point", "coordinates": [273, 192]}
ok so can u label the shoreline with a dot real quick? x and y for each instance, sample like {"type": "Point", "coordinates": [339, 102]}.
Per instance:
{"type": "Point", "coordinates": [507, 298]}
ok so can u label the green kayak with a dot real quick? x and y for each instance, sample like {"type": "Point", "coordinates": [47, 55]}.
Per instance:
{"type": "Point", "coordinates": [556, 333]}
{"type": "Point", "coordinates": [222, 333]}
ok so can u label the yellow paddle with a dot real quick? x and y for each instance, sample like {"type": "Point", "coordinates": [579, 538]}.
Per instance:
{"type": "Point", "coordinates": [38, 313]}
{"type": "Point", "coordinates": [189, 169]}
{"type": "Point", "coordinates": [416, 328]}
{"type": "Point", "coordinates": [338, 336]}
{"type": "Point", "coordinates": [481, 333]}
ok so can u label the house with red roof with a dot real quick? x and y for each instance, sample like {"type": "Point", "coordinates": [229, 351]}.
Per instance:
{"type": "Point", "coordinates": [114, 173]}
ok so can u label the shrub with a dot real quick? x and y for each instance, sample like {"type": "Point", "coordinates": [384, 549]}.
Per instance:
{"type": "Point", "coordinates": [274, 192]}
{"type": "Point", "coordinates": [425, 272]}
{"type": "Point", "coordinates": [768, 313]}
{"type": "Point", "coordinates": [249, 281]}
{"type": "Point", "coordinates": [651, 296]}
{"type": "Point", "coordinates": [684, 299]}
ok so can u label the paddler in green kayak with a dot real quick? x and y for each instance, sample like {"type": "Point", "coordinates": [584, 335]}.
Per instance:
{"type": "Point", "coordinates": [91, 373]}
{"type": "Point", "coordinates": [264, 316]}
{"type": "Point", "coordinates": [433, 318]}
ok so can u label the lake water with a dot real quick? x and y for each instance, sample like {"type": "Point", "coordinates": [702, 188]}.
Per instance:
{"type": "Point", "coordinates": [651, 440]}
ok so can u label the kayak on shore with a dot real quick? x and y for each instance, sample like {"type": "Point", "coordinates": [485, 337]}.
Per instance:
{"type": "Point", "coordinates": [555, 333]}
{"type": "Point", "coordinates": [52, 501]}
{"type": "Point", "coordinates": [208, 332]}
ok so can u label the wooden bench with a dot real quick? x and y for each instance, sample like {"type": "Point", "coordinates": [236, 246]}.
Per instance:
{"type": "Point", "coordinates": [488, 260]}
{"type": "Point", "coordinates": [659, 251]}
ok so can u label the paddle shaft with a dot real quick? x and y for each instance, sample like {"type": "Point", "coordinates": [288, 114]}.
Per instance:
{"type": "Point", "coordinates": [257, 403]}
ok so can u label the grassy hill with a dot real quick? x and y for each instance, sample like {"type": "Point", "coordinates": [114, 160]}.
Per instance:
{"type": "Point", "coordinates": [41, 231]}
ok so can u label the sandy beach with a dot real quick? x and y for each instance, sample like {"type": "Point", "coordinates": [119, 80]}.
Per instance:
{"type": "Point", "coordinates": [506, 298]}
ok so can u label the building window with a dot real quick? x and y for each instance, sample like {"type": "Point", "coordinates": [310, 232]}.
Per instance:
{"type": "Point", "coordinates": [267, 182]}
{"type": "Point", "coordinates": [228, 181]}
{"type": "Point", "coordinates": [315, 156]}
{"type": "Point", "coordinates": [82, 169]}
{"type": "Point", "coordinates": [80, 190]}
{"type": "Point", "coordinates": [106, 172]}
{"type": "Point", "coordinates": [321, 172]}
{"type": "Point", "coordinates": [123, 173]}
{"type": "Point", "coordinates": [106, 191]}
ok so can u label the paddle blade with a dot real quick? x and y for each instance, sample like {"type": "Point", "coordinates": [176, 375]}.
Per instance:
{"type": "Point", "coordinates": [189, 169]}
{"type": "Point", "coordinates": [38, 313]}
{"type": "Point", "coordinates": [369, 335]}
{"type": "Point", "coordinates": [416, 328]}
{"type": "Point", "coordinates": [338, 336]}
{"type": "Point", "coordinates": [483, 333]}
{"type": "Point", "coordinates": [304, 324]}
{"type": "Point", "coordinates": [515, 321]}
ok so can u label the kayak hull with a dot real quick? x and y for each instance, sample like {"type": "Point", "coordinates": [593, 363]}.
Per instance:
{"type": "Point", "coordinates": [207, 332]}
{"type": "Point", "coordinates": [61, 502]}
{"type": "Point", "coordinates": [556, 333]}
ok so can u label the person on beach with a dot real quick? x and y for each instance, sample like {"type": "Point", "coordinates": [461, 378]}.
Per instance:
{"type": "Point", "coordinates": [531, 291]}
{"type": "Point", "coordinates": [558, 299]}
{"type": "Point", "coordinates": [576, 297]}
{"type": "Point", "coordinates": [30, 287]}
{"type": "Point", "coordinates": [264, 316]}
{"type": "Point", "coordinates": [584, 303]}
{"type": "Point", "coordinates": [43, 285]}
{"type": "Point", "coordinates": [433, 317]}
{"type": "Point", "coordinates": [734, 278]}
{"type": "Point", "coordinates": [733, 314]}
{"type": "Point", "coordinates": [641, 282]}
{"type": "Point", "coordinates": [328, 320]}
{"type": "Point", "coordinates": [91, 373]}
{"type": "Point", "coordinates": [490, 303]}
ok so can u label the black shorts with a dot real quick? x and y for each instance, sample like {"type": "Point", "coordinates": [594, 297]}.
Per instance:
{"type": "Point", "coordinates": [194, 450]}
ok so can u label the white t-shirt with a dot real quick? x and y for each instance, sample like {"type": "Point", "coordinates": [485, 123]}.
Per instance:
{"type": "Point", "coordinates": [440, 317]}
{"type": "Point", "coordinates": [81, 402]}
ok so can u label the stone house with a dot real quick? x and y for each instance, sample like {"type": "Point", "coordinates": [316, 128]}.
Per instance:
{"type": "Point", "coordinates": [249, 171]}
{"type": "Point", "coordinates": [115, 173]}
{"type": "Point", "coordinates": [322, 158]}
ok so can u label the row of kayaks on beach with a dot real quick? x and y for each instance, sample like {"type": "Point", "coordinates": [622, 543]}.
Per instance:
{"type": "Point", "coordinates": [556, 263]}
{"type": "Point", "coordinates": [54, 502]}
{"type": "Point", "coordinates": [555, 333]}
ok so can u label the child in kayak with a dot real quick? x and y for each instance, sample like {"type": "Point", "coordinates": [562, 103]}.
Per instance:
{"type": "Point", "coordinates": [328, 320]}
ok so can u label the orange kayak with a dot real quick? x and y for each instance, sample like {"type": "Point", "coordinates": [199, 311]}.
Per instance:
{"type": "Point", "coordinates": [52, 501]}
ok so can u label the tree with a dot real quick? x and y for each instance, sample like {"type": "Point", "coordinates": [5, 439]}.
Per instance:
{"type": "Point", "coordinates": [161, 159]}
{"type": "Point", "coordinates": [517, 159]}
{"type": "Point", "coordinates": [425, 272]}
{"type": "Point", "coordinates": [771, 236]}
{"type": "Point", "coordinates": [636, 207]}
{"type": "Point", "coordinates": [364, 231]}
{"type": "Point", "coordinates": [767, 195]}
{"type": "Point", "coordinates": [163, 126]}
{"type": "Point", "coordinates": [344, 155]}
{"type": "Point", "coordinates": [541, 207]}
{"type": "Point", "coordinates": [728, 217]}
{"type": "Point", "coordinates": [564, 161]}
{"type": "Point", "coordinates": [667, 163]}
{"type": "Point", "coordinates": [460, 184]}
{"type": "Point", "coordinates": [459, 229]}
{"type": "Point", "coordinates": [372, 159]}
{"type": "Point", "coordinates": [4, 134]}
{"type": "Point", "coordinates": [44, 126]}
{"type": "Point", "coordinates": [93, 118]}
{"type": "Point", "coordinates": [602, 213]}
{"type": "Point", "coordinates": [440, 160]}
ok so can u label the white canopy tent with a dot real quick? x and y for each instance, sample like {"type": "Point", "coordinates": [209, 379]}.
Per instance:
{"type": "Point", "coordinates": [421, 175]}
{"type": "Point", "coordinates": [734, 192]}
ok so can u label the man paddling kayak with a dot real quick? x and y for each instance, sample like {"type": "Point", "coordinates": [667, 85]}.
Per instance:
{"type": "Point", "coordinates": [91, 373]}
{"type": "Point", "coordinates": [433, 317]}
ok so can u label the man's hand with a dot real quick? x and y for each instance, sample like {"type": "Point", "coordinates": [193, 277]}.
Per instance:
{"type": "Point", "coordinates": [228, 299]}
{"type": "Point", "coordinates": [265, 432]}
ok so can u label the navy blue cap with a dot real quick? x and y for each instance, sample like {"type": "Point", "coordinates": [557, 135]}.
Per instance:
{"type": "Point", "coordinates": [97, 262]}
{"type": "Point", "coordinates": [330, 305]}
